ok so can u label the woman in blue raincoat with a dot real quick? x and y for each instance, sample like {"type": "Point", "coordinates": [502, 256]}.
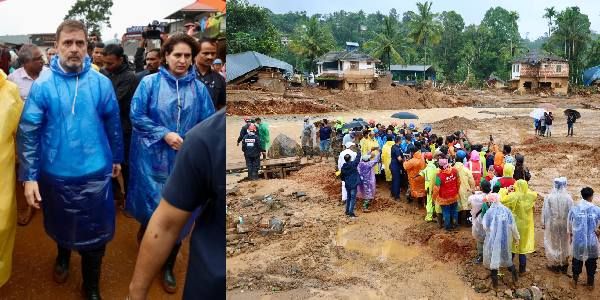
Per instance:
{"type": "Point", "coordinates": [164, 107]}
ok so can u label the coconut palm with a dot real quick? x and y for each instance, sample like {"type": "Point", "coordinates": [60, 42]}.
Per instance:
{"type": "Point", "coordinates": [425, 28]}
{"type": "Point", "coordinates": [387, 44]}
{"type": "Point", "coordinates": [312, 40]}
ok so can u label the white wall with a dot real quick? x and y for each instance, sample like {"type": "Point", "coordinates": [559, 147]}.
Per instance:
{"type": "Point", "coordinates": [515, 71]}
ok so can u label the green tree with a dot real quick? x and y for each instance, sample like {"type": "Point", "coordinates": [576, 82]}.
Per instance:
{"type": "Point", "coordinates": [249, 28]}
{"type": "Point", "coordinates": [312, 40]}
{"type": "Point", "coordinates": [500, 34]}
{"type": "Point", "coordinates": [425, 28]}
{"type": "Point", "coordinates": [93, 13]}
{"type": "Point", "coordinates": [571, 40]}
{"type": "Point", "coordinates": [550, 13]}
{"type": "Point", "coordinates": [387, 44]}
{"type": "Point", "coordinates": [452, 41]}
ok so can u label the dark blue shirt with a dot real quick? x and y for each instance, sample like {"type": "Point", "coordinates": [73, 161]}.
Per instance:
{"type": "Point", "coordinates": [324, 133]}
{"type": "Point", "coordinates": [396, 151]}
{"type": "Point", "coordinates": [198, 180]}
{"type": "Point", "coordinates": [349, 173]}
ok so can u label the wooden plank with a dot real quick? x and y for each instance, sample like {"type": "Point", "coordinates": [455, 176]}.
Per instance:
{"type": "Point", "coordinates": [265, 163]}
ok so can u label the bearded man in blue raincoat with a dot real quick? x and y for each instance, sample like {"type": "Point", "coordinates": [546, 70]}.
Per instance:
{"type": "Point", "coordinates": [70, 145]}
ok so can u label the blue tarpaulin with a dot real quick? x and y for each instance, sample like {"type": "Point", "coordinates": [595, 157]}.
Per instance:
{"type": "Point", "coordinates": [590, 75]}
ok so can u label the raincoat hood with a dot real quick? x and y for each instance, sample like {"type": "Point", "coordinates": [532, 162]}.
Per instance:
{"type": "Point", "coordinates": [509, 170]}
{"type": "Point", "coordinates": [57, 68]}
{"type": "Point", "coordinates": [474, 155]}
{"type": "Point", "coordinates": [520, 159]}
{"type": "Point", "coordinates": [521, 186]}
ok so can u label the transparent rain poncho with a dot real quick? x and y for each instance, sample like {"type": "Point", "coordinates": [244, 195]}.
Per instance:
{"type": "Point", "coordinates": [555, 212]}
{"type": "Point", "coordinates": [501, 229]}
{"type": "Point", "coordinates": [476, 201]}
{"type": "Point", "coordinates": [583, 219]}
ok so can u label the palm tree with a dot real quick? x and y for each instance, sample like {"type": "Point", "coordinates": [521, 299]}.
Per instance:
{"type": "Point", "coordinates": [425, 27]}
{"type": "Point", "coordinates": [312, 40]}
{"type": "Point", "coordinates": [550, 13]}
{"type": "Point", "coordinates": [573, 31]}
{"type": "Point", "coordinates": [387, 43]}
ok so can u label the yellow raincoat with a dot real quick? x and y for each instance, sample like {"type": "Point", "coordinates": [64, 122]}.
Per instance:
{"type": "Point", "coordinates": [386, 159]}
{"type": "Point", "coordinates": [521, 203]}
{"type": "Point", "coordinates": [366, 144]}
{"type": "Point", "coordinates": [467, 185]}
{"type": "Point", "coordinates": [429, 174]}
{"type": "Point", "coordinates": [11, 106]}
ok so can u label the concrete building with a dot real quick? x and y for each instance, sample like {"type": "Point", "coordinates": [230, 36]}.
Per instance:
{"type": "Point", "coordinates": [347, 70]}
{"type": "Point", "coordinates": [537, 70]}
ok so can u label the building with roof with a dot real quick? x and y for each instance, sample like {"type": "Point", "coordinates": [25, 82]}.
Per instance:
{"type": "Point", "coordinates": [257, 69]}
{"type": "Point", "coordinates": [348, 70]}
{"type": "Point", "coordinates": [539, 70]}
{"type": "Point", "coordinates": [410, 74]}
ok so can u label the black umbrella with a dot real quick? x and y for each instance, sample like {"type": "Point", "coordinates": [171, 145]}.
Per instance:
{"type": "Point", "coordinates": [405, 115]}
{"type": "Point", "coordinates": [354, 124]}
{"type": "Point", "coordinates": [572, 112]}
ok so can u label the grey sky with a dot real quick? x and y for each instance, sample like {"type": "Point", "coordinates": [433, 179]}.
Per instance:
{"type": "Point", "coordinates": [530, 12]}
{"type": "Point", "coordinates": [43, 16]}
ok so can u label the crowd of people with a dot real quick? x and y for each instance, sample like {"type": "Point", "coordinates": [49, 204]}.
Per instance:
{"type": "Point", "coordinates": [463, 183]}
{"type": "Point", "coordinates": [88, 127]}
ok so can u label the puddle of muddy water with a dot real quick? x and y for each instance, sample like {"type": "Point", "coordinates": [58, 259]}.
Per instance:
{"type": "Point", "coordinates": [385, 250]}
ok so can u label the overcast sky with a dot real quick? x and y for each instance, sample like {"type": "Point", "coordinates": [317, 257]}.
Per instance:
{"type": "Point", "coordinates": [531, 23]}
{"type": "Point", "coordinates": [43, 16]}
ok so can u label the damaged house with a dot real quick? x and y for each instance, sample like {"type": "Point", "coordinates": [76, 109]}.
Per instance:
{"type": "Point", "coordinates": [257, 69]}
{"type": "Point", "coordinates": [347, 70]}
{"type": "Point", "coordinates": [537, 70]}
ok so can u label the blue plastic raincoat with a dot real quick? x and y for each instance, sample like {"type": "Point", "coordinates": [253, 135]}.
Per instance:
{"type": "Point", "coordinates": [68, 139]}
{"type": "Point", "coordinates": [154, 113]}
{"type": "Point", "coordinates": [584, 219]}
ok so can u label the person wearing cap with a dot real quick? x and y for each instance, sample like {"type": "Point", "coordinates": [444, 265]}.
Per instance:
{"type": "Point", "coordinates": [429, 173]}
{"type": "Point", "coordinates": [467, 185]}
{"type": "Point", "coordinates": [341, 161]}
{"type": "Point", "coordinates": [445, 193]}
{"type": "Point", "coordinates": [251, 145]}
{"type": "Point", "coordinates": [555, 212]}
{"type": "Point", "coordinates": [214, 82]}
{"type": "Point", "coordinates": [218, 67]}
{"type": "Point", "coordinates": [413, 166]}
{"type": "Point", "coordinates": [475, 166]}
{"type": "Point", "coordinates": [366, 190]}
{"type": "Point", "coordinates": [244, 129]}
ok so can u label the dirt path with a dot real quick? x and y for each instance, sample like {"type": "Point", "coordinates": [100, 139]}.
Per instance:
{"type": "Point", "coordinates": [35, 252]}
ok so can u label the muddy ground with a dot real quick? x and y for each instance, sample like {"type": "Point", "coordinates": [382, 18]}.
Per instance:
{"type": "Point", "coordinates": [35, 253]}
{"type": "Point", "coordinates": [391, 252]}
{"type": "Point", "coordinates": [318, 100]}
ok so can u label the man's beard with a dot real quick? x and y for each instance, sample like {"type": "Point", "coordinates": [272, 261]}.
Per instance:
{"type": "Point", "coordinates": [71, 67]}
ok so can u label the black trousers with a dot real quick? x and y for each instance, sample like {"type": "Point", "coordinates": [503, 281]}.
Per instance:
{"type": "Point", "coordinates": [253, 165]}
{"type": "Point", "coordinates": [590, 268]}
{"type": "Point", "coordinates": [91, 264]}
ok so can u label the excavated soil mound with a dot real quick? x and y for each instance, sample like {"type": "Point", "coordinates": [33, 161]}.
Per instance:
{"type": "Point", "coordinates": [453, 124]}
{"type": "Point", "coordinates": [275, 107]}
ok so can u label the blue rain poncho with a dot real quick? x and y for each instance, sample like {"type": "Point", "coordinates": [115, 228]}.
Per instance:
{"type": "Point", "coordinates": [68, 139]}
{"type": "Point", "coordinates": [161, 104]}
{"type": "Point", "coordinates": [500, 229]}
{"type": "Point", "coordinates": [557, 205]}
{"type": "Point", "coordinates": [584, 218]}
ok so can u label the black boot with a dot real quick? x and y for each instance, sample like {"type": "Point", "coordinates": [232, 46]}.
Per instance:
{"type": "Point", "coordinates": [91, 264]}
{"type": "Point", "coordinates": [494, 277]}
{"type": "Point", "coordinates": [515, 276]}
{"type": "Point", "coordinates": [61, 266]}
{"type": "Point", "coordinates": [440, 219]}
{"type": "Point", "coordinates": [575, 278]}
{"type": "Point", "coordinates": [522, 268]}
{"type": "Point", "coordinates": [169, 282]}
{"type": "Point", "coordinates": [590, 282]}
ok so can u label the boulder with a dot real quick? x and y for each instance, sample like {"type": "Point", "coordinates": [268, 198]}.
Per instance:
{"type": "Point", "coordinates": [284, 146]}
